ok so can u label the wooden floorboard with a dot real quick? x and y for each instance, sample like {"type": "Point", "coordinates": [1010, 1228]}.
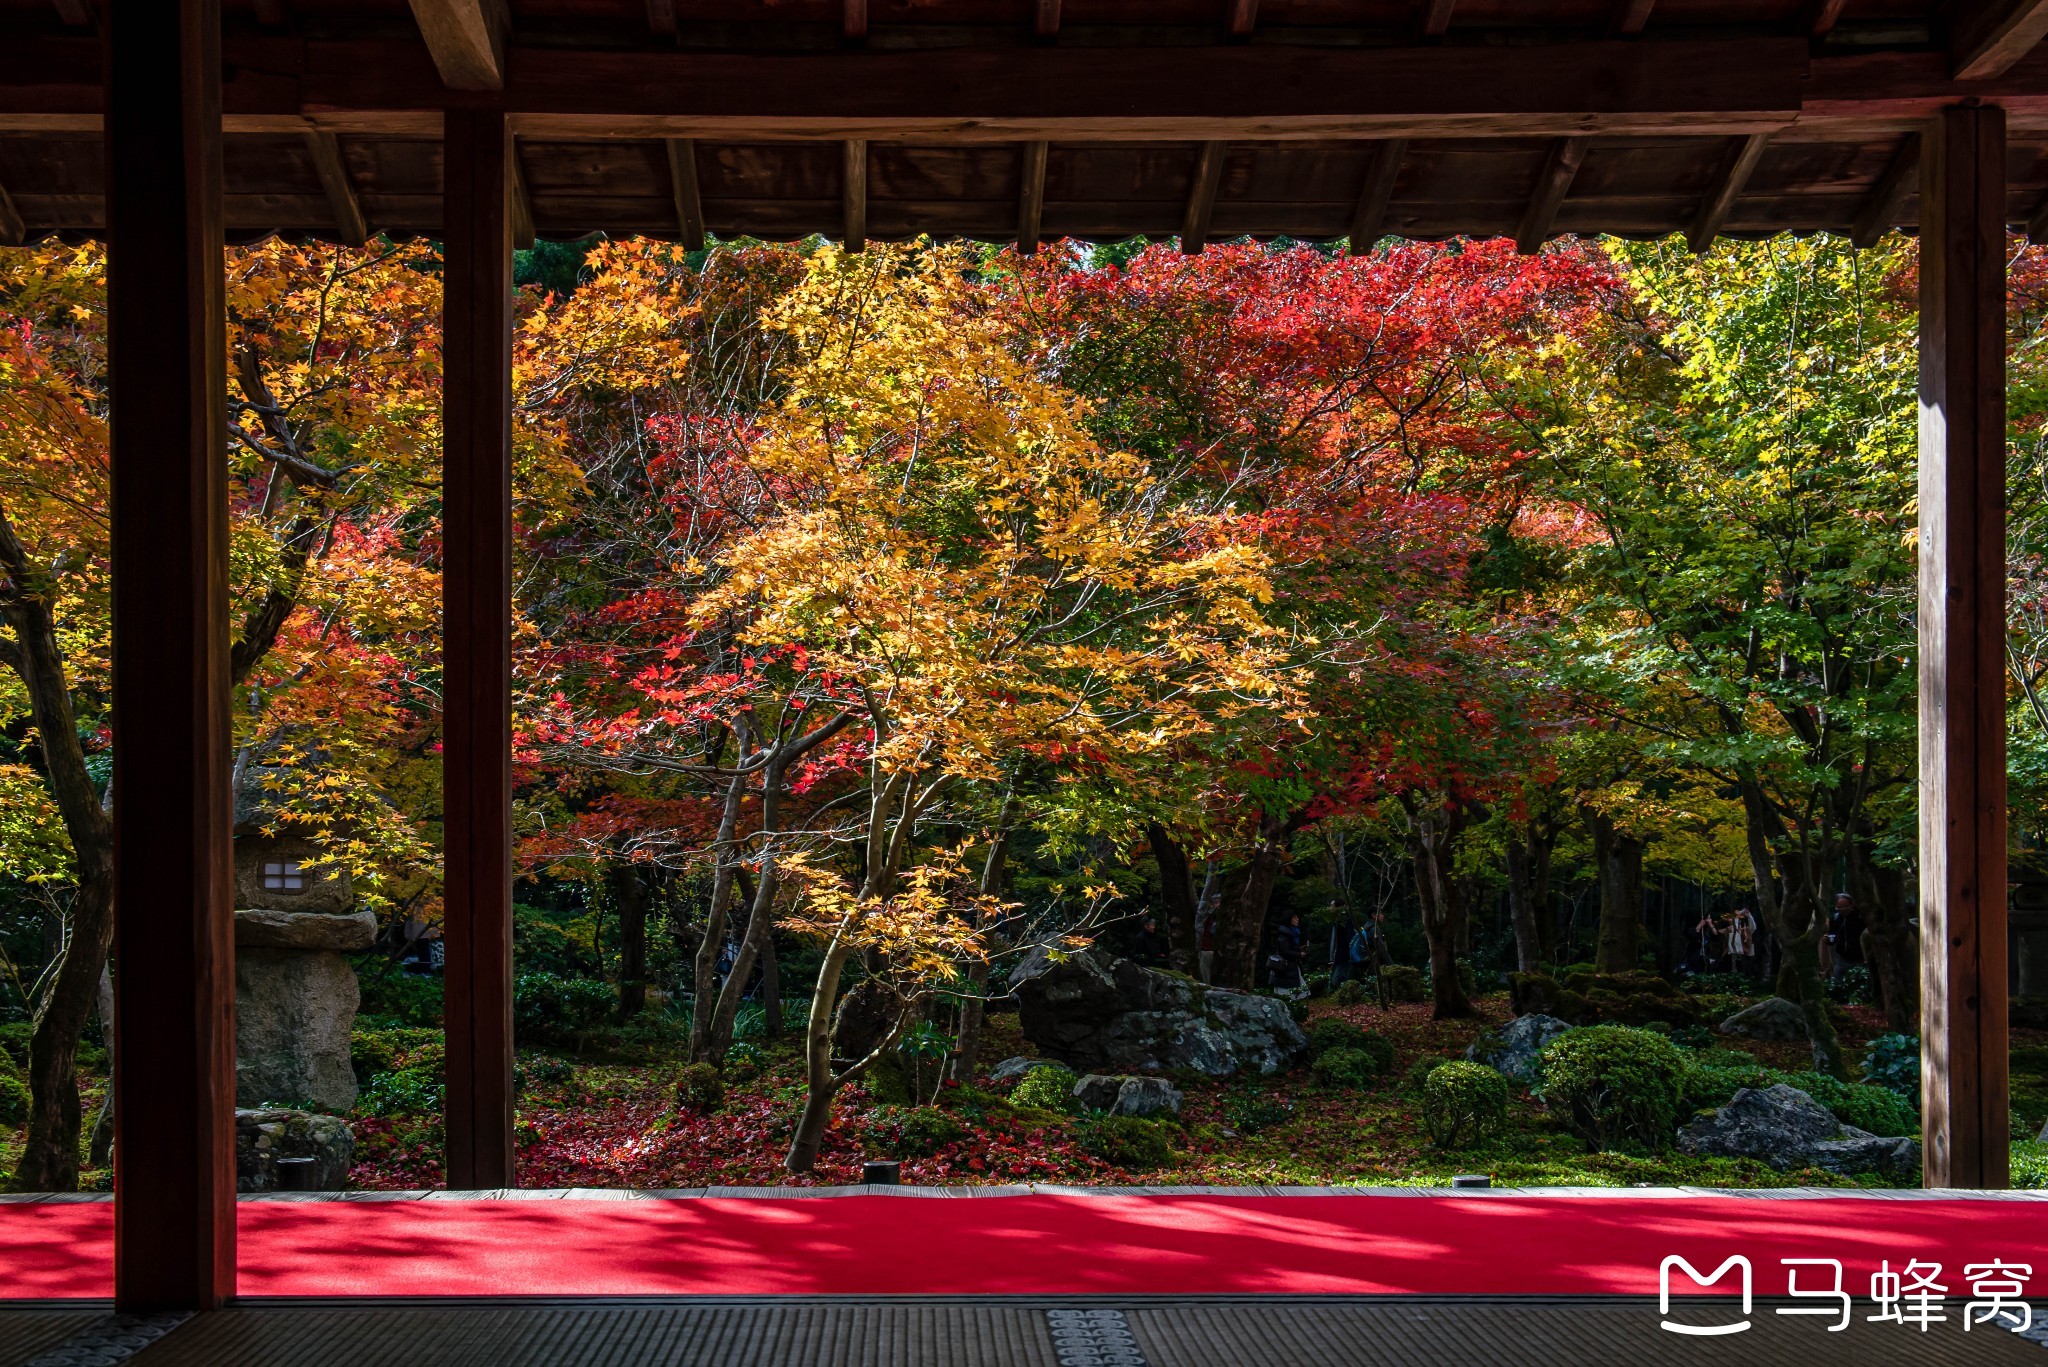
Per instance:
{"type": "Point", "coordinates": [827, 1332]}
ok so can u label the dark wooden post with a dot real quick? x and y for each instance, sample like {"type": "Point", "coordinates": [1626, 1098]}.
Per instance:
{"type": "Point", "coordinates": [476, 595]}
{"type": "Point", "coordinates": [1962, 639]}
{"type": "Point", "coordinates": [174, 1052]}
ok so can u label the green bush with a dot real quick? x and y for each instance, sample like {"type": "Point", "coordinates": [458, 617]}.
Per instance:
{"type": "Point", "coordinates": [2029, 1164]}
{"type": "Point", "coordinates": [1128, 1141]}
{"type": "Point", "coordinates": [1351, 992]}
{"type": "Point", "coordinates": [391, 1049]}
{"type": "Point", "coordinates": [1379, 1049]}
{"type": "Point", "coordinates": [1724, 1058]}
{"type": "Point", "coordinates": [1614, 1087]}
{"type": "Point", "coordinates": [14, 1100]}
{"type": "Point", "coordinates": [1876, 1109]}
{"type": "Point", "coordinates": [1048, 1087]}
{"type": "Point", "coordinates": [1706, 1089]}
{"type": "Point", "coordinates": [543, 1070]}
{"type": "Point", "coordinates": [1463, 1103]}
{"type": "Point", "coordinates": [1249, 1111]}
{"type": "Point", "coordinates": [919, 1131]}
{"type": "Point", "coordinates": [1345, 1068]}
{"type": "Point", "coordinates": [699, 1088]}
{"type": "Point", "coordinates": [549, 1009]}
{"type": "Point", "coordinates": [1332, 1032]}
{"type": "Point", "coordinates": [1402, 982]}
{"type": "Point", "coordinates": [744, 1062]}
{"type": "Point", "coordinates": [1297, 1009]}
{"type": "Point", "coordinates": [14, 1041]}
{"type": "Point", "coordinates": [408, 1091]}
{"type": "Point", "coordinates": [396, 998]}
{"type": "Point", "coordinates": [1894, 1063]}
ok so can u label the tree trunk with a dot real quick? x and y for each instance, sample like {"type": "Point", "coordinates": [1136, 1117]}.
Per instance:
{"type": "Point", "coordinates": [631, 897]}
{"type": "Point", "coordinates": [1241, 925]}
{"type": "Point", "coordinates": [771, 988]}
{"type": "Point", "coordinates": [704, 979]}
{"type": "Point", "coordinates": [1522, 907]}
{"type": "Point", "coordinates": [761, 911]}
{"type": "Point", "coordinates": [49, 1156]}
{"type": "Point", "coordinates": [1177, 893]}
{"type": "Point", "coordinates": [974, 1006]}
{"type": "Point", "coordinates": [820, 1085]}
{"type": "Point", "coordinates": [1619, 858]}
{"type": "Point", "coordinates": [1797, 923]}
{"type": "Point", "coordinates": [1890, 946]}
{"type": "Point", "coordinates": [1431, 834]}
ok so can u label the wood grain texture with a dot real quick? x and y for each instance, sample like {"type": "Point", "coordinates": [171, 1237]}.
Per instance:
{"type": "Point", "coordinates": [13, 232]}
{"type": "Point", "coordinates": [1031, 197]}
{"type": "Point", "coordinates": [324, 149]}
{"type": "Point", "coordinates": [1436, 17]}
{"type": "Point", "coordinates": [1631, 16]}
{"type": "Point", "coordinates": [467, 40]}
{"type": "Point", "coordinates": [1240, 17]}
{"type": "Point", "coordinates": [1045, 19]}
{"type": "Point", "coordinates": [523, 231]}
{"type": "Point", "coordinates": [1201, 205]}
{"type": "Point", "coordinates": [1720, 202]}
{"type": "Point", "coordinates": [174, 1055]}
{"type": "Point", "coordinates": [682, 170]}
{"type": "Point", "coordinates": [1987, 37]}
{"type": "Point", "coordinates": [1964, 1036]}
{"type": "Point", "coordinates": [1888, 197]}
{"type": "Point", "coordinates": [853, 20]}
{"type": "Point", "coordinates": [1369, 218]}
{"type": "Point", "coordinates": [1822, 16]}
{"type": "Point", "coordinates": [853, 193]}
{"type": "Point", "coordinates": [476, 593]}
{"type": "Point", "coordinates": [1553, 183]}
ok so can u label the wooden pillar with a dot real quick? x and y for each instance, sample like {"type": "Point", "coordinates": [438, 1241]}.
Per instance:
{"type": "Point", "coordinates": [1962, 638]}
{"type": "Point", "coordinates": [174, 1053]}
{"type": "Point", "coordinates": [476, 595]}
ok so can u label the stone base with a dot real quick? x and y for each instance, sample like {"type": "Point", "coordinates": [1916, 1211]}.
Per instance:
{"type": "Point", "coordinates": [294, 1009]}
{"type": "Point", "coordinates": [264, 1136]}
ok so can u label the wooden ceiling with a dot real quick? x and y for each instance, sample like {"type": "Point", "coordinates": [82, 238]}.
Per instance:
{"type": "Point", "coordinates": [1009, 120]}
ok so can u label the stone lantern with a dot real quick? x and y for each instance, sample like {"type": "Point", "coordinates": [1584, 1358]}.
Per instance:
{"type": "Point", "coordinates": [295, 995]}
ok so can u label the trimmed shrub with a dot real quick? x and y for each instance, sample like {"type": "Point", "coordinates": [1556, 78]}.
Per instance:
{"type": "Point", "coordinates": [1048, 1087]}
{"type": "Point", "coordinates": [1894, 1064]}
{"type": "Point", "coordinates": [744, 1062]}
{"type": "Point", "coordinates": [1345, 1068]}
{"type": "Point", "coordinates": [409, 1091]}
{"type": "Point", "coordinates": [1615, 1087]}
{"type": "Point", "coordinates": [1249, 1111]}
{"type": "Point", "coordinates": [549, 1009]}
{"type": "Point", "coordinates": [1351, 992]}
{"type": "Point", "coordinates": [1128, 1141]}
{"type": "Point", "coordinates": [1402, 982]}
{"type": "Point", "coordinates": [921, 1131]}
{"type": "Point", "coordinates": [544, 1070]}
{"type": "Point", "coordinates": [1875, 1109]}
{"type": "Point", "coordinates": [394, 1049]}
{"type": "Point", "coordinates": [699, 1088]}
{"type": "Point", "coordinates": [14, 1100]}
{"type": "Point", "coordinates": [1706, 1089]}
{"type": "Point", "coordinates": [14, 1041]}
{"type": "Point", "coordinates": [1463, 1103]}
{"type": "Point", "coordinates": [1379, 1049]}
{"type": "Point", "coordinates": [1332, 1032]}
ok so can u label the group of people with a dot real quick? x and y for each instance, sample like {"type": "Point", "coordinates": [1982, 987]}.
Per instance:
{"type": "Point", "coordinates": [1729, 942]}
{"type": "Point", "coordinates": [1356, 951]}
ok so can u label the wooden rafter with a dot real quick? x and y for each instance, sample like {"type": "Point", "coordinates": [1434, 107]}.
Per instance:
{"type": "Point", "coordinates": [682, 173]}
{"type": "Point", "coordinates": [1735, 171]}
{"type": "Point", "coordinates": [1436, 17]}
{"type": "Point", "coordinates": [13, 232]}
{"type": "Point", "coordinates": [2037, 223]}
{"type": "Point", "coordinates": [273, 14]}
{"type": "Point", "coordinates": [1031, 197]}
{"type": "Point", "coordinates": [467, 40]}
{"type": "Point", "coordinates": [853, 20]}
{"type": "Point", "coordinates": [854, 192]}
{"type": "Point", "coordinates": [1046, 19]}
{"type": "Point", "coordinates": [1823, 15]}
{"type": "Point", "coordinates": [1194, 230]}
{"type": "Point", "coordinates": [1370, 216]}
{"type": "Point", "coordinates": [1631, 16]}
{"type": "Point", "coordinates": [1241, 17]}
{"type": "Point", "coordinates": [1553, 183]}
{"type": "Point", "coordinates": [1986, 37]}
{"type": "Point", "coordinates": [661, 17]}
{"type": "Point", "coordinates": [1881, 211]}
{"type": "Point", "coordinates": [76, 13]}
{"type": "Point", "coordinates": [324, 149]}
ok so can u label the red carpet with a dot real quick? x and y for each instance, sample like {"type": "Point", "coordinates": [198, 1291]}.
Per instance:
{"type": "Point", "coordinates": [1035, 1244]}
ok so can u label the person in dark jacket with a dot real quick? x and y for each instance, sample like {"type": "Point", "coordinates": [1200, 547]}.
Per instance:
{"type": "Point", "coordinates": [1290, 953]}
{"type": "Point", "coordinates": [1148, 947]}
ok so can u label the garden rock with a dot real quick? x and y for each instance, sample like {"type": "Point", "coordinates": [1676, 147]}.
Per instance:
{"type": "Point", "coordinates": [1013, 1067]}
{"type": "Point", "coordinates": [1771, 1019]}
{"type": "Point", "coordinates": [306, 930]}
{"type": "Point", "coordinates": [263, 1136]}
{"type": "Point", "coordinates": [1141, 1096]}
{"type": "Point", "coordinates": [1097, 1091]}
{"type": "Point", "coordinates": [1513, 1048]}
{"type": "Point", "coordinates": [1098, 1013]}
{"type": "Point", "coordinates": [1784, 1127]}
{"type": "Point", "coordinates": [294, 1010]}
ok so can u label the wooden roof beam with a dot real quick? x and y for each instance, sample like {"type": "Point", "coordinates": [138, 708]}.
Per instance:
{"type": "Point", "coordinates": [853, 21]}
{"type": "Point", "coordinates": [2037, 223]}
{"type": "Point", "coordinates": [273, 14]}
{"type": "Point", "coordinates": [523, 232]}
{"type": "Point", "coordinates": [467, 40]}
{"type": "Point", "coordinates": [1241, 17]}
{"type": "Point", "coordinates": [325, 151]}
{"type": "Point", "coordinates": [1031, 197]}
{"type": "Point", "coordinates": [1369, 218]}
{"type": "Point", "coordinates": [1986, 37]}
{"type": "Point", "coordinates": [1881, 212]}
{"type": "Point", "coordinates": [1553, 183]}
{"type": "Point", "coordinates": [1735, 171]}
{"type": "Point", "coordinates": [682, 174]}
{"type": "Point", "coordinates": [1631, 16]}
{"type": "Point", "coordinates": [661, 17]}
{"type": "Point", "coordinates": [1822, 16]}
{"type": "Point", "coordinates": [853, 194]}
{"type": "Point", "coordinates": [13, 232]}
{"type": "Point", "coordinates": [75, 13]}
{"type": "Point", "coordinates": [1194, 228]}
{"type": "Point", "coordinates": [1045, 23]}
{"type": "Point", "coordinates": [1436, 17]}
